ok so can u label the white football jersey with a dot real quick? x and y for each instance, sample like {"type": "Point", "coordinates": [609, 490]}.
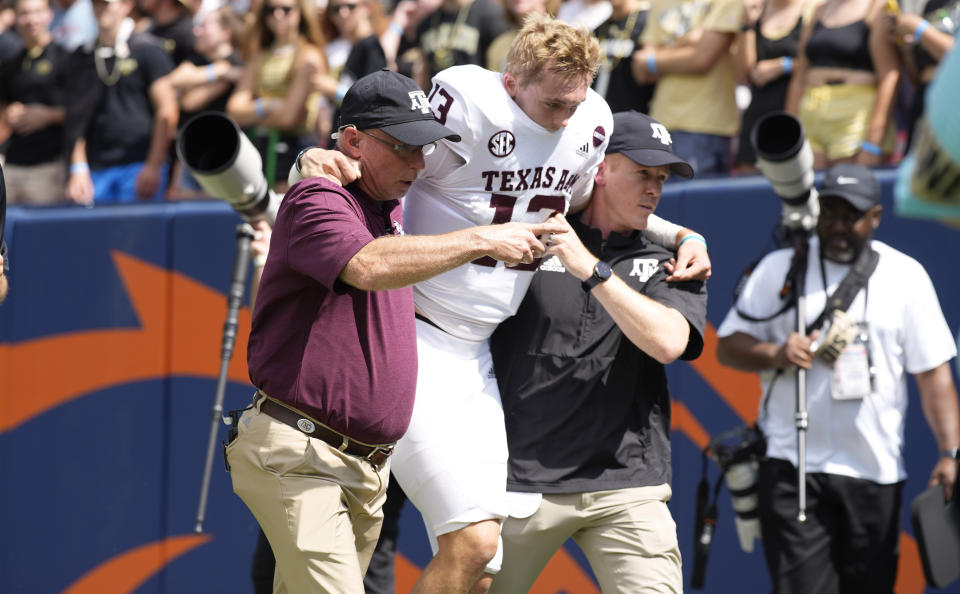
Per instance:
{"type": "Point", "coordinates": [506, 168]}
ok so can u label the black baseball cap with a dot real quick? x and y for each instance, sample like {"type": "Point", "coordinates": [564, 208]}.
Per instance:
{"type": "Point", "coordinates": [645, 142]}
{"type": "Point", "coordinates": [395, 104]}
{"type": "Point", "coordinates": [854, 183]}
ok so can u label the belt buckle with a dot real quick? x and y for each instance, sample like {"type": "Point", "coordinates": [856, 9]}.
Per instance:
{"type": "Point", "coordinates": [385, 450]}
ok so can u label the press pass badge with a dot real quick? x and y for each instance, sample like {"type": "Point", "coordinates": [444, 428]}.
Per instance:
{"type": "Point", "coordinates": [851, 376]}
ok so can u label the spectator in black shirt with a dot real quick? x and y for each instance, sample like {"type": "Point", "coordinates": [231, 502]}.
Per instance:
{"type": "Point", "coordinates": [619, 37]}
{"type": "Point", "coordinates": [459, 32]}
{"type": "Point", "coordinates": [172, 22]}
{"type": "Point", "coordinates": [581, 375]}
{"type": "Point", "coordinates": [207, 86]}
{"type": "Point", "coordinates": [121, 112]}
{"type": "Point", "coordinates": [31, 89]}
{"type": "Point", "coordinates": [10, 42]}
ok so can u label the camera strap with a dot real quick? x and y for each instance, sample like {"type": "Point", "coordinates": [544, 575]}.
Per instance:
{"type": "Point", "coordinates": [792, 283]}
{"type": "Point", "coordinates": [705, 524]}
{"type": "Point", "coordinates": [855, 280]}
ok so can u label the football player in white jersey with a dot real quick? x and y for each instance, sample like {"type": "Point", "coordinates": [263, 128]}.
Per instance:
{"type": "Point", "coordinates": [532, 139]}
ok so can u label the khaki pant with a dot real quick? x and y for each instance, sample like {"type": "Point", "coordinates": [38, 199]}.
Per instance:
{"type": "Point", "coordinates": [628, 535]}
{"type": "Point", "coordinates": [36, 185]}
{"type": "Point", "coordinates": [320, 508]}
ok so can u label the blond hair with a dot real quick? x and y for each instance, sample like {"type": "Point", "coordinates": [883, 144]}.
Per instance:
{"type": "Point", "coordinates": [544, 41]}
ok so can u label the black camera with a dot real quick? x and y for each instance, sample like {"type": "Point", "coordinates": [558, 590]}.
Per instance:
{"type": "Point", "coordinates": [738, 453]}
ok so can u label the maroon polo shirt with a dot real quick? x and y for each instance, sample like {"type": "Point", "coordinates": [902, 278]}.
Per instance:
{"type": "Point", "coordinates": [344, 356]}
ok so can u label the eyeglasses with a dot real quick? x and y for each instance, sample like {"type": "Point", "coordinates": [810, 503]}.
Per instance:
{"type": "Point", "coordinates": [335, 8]}
{"type": "Point", "coordinates": [404, 149]}
{"type": "Point", "coordinates": [272, 8]}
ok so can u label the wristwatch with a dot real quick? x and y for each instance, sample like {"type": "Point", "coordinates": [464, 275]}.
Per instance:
{"type": "Point", "coordinates": [951, 453]}
{"type": "Point", "coordinates": [601, 273]}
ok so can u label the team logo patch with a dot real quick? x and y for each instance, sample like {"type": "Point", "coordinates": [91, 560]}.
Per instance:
{"type": "Point", "coordinates": [419, 101]}
{"type": "Point", "coordinates": [643, 268]}
{"type": "Point", "coordinates": [502, 143]}
{"type": "Point", "coordinates": [599, 135]}
{"type": "Point", "coordinates": [660, 133]}
{"type": "Point", "coordinates": [306, 425]}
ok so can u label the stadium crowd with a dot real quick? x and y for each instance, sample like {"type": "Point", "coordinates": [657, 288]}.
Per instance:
{"type": "Point", "coordinates": [93, 91]}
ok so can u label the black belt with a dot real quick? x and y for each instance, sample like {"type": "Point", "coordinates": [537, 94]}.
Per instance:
{"type": "Point", "coordinates": [375, 454]}
{"type": "Point", "coordinates": [424, 318]}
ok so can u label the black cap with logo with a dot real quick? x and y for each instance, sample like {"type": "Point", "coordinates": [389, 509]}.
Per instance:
{"type": "Point", "coordinates": [645, 142]}
{"type": "Point", "coordinates": [854, 183]}
{"type": "Point", "coordinates": [395, 104]}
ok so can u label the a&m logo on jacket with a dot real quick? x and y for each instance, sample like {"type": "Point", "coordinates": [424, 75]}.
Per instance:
{"type": "Point", "coordinates": [643, 268]}
{"type": "Point", "coordinates": [419, 101]}
{"type": "Point", "coordinates": [501, 144]}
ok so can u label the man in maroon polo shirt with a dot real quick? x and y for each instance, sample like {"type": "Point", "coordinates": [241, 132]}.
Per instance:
{"type": "Point", "coordinates": [332, 348]}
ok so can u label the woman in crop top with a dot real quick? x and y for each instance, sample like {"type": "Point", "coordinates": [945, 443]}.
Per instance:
{"type": "Point", "coordinates": [844, 83]}
{"type": "Point", "coordinates": [768, 48]}
{"type": "Point", "coordinates": [276, 95]}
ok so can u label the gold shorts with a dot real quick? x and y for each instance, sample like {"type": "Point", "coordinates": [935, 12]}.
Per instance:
{"type": "Point", "coordinates": [835, 119]}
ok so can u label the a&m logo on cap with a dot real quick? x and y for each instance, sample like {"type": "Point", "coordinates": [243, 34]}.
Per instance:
{"type": "Point", "coordinates": [660, 133]}
{"type": "Point", "coordinates": [419, 101]}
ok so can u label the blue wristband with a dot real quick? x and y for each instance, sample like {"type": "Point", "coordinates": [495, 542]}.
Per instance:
{"type": "Point", "coordinates": [652, 64]}
{"type": "Point", "coordinates": [786, 62]}
{"type": "Point", "coordinates": [869, 147]}
{"type": "Point", "coordinates": [211, 73]}
{"type": "Point", "coordinates": [259, 108]}
{"type": "Point", "coordinates": [694, 237]}
{"type": "Point", "coordinates": [79, 167]}
{"type": "Point", "coordinates": [918, 32]}
{"type": "Point", "coordinates": [395, 28]}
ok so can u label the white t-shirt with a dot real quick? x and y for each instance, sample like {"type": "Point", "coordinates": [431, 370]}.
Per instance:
{"type": "Point", "coordinates": [506, 168]}
{"type": "Point", "coordinates": [861, 438]}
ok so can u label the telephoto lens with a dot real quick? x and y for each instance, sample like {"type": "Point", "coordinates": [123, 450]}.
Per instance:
{"type": "Point", "coordinates": [738, 453]}
{"type": "Point", "coordinates": [785, 158]}
{"type": "Point", "coordinates": [227, 165]}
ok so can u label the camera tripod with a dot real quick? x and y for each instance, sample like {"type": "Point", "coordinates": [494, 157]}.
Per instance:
{"type": "Point", "coordinates": [241, 264]}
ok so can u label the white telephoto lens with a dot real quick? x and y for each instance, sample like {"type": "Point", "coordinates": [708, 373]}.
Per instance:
{"type": "Point", "coordinates": [740, 477]}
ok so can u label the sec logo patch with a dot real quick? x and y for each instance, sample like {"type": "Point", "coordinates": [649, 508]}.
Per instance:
{"type": "Point", "coordinates": [501, 144]}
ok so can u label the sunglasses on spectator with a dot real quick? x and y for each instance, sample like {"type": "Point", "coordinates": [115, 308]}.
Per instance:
{"type": "Point", "coordinates": [272, 8]}
{"type": "Point", "coordinates": [335, 8]}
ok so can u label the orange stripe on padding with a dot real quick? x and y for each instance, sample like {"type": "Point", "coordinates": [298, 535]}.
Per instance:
{"type": "Point", "coordinates": [564, 574]}
{"type": "Point", "coordinates": [128, 571]}
{"type": "Point", "coordinates": [740, 390]}
{"type": "Point", "coordinates": [910, 577]}
{"type": "Point", "coordinates": [681, 419]}
{"type": "Point", "coordinates": [406, 573]}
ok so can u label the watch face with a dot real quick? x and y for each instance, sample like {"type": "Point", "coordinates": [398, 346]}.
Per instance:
{"type": "Point", "coordinates": [602, 271]}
